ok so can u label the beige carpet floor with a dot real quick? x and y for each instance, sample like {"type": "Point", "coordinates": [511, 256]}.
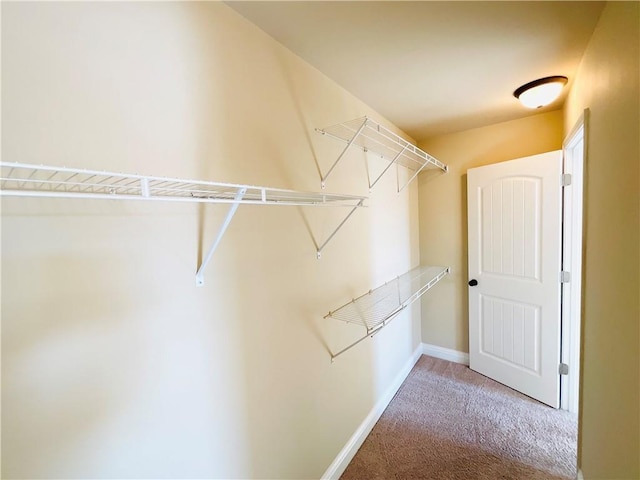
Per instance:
{"type": "Point", "coordinates": [448, 422]}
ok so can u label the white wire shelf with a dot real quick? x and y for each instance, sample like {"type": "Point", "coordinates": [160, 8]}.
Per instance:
{"type": "Point", "coordinates": [372, 137]}
{"type": "Point", "coordinates": [378, 307]}
{"type": "Point", "coordinates": [26, 180]}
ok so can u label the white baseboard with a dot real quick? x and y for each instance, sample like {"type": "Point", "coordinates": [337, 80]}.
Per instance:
{"type": "Point", "coordinates": [339, 465]}
{"type": "Point", "coordinates": [445, 353]}
{"type": "Point", "coordinates": [579, 476]}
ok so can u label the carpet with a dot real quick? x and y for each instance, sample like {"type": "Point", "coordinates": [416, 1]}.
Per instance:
{"type": "Point", "coordinates": [449, 422]}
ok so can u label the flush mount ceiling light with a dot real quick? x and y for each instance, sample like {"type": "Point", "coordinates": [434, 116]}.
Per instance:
{"type": "Point", "coordinates": [541, 92]}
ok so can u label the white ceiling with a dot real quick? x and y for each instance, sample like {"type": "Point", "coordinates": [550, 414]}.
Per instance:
{"type": "Point", "coordinates": [433, 67]}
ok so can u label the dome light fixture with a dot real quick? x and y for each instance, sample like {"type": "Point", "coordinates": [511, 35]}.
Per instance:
{"type": "Point", "coordinates": [541, 92]}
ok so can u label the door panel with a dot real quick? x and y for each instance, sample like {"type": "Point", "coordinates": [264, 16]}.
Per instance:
{"type": "Point", "coordinates": [511, 216]}
{"type": "Point", "coordinates": [514, 254]}
{"type": "Point", "coordinates": [510, 332]}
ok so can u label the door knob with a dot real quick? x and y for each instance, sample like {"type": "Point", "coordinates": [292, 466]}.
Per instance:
{"type": "Point", "coordinates": [473, 282]}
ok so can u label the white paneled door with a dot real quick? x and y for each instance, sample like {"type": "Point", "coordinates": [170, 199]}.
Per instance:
{"type": "Point", "coordinates": [514, 273]}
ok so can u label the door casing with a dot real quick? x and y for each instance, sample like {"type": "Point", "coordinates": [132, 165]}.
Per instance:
{"type": "Point", "coordinates": [574, 159]}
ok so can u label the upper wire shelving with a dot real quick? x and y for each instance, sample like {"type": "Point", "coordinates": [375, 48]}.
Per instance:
{"type": "Point", "coordinates": [378, 307]}
{"type": "Point", "coordinates": [26, 180]}
{"type": "Point", "coordinates": [372, 137]}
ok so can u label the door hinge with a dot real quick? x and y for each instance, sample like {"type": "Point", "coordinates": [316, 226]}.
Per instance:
{"type": "Point", "coordinates": [565, 277]}
{"type": "Point", "coordinates": [566, 179]}
{"type": "Point", "coordinates": [564, 369]}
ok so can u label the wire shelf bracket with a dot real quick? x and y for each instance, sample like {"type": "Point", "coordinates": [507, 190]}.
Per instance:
{"type": "Point", "coordinates": [27, 180]}
{"type": "Point", "coordinates": [370, 136]}
{"type": "Point", "coordinates": [223, 229]}
{"type": "Point", "coordinates": [376, 308]}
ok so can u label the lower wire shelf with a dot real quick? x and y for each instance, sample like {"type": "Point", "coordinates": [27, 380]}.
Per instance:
{"type": "Point", "coordinates": [378, 307]}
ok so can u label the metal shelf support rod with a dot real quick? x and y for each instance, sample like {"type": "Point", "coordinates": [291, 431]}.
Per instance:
{"type": "Point", "coordinates": [411, 179]}
{"type": "Point", "coordinates": [395, 159]}
{"type": "Point", "coordinates": [324, 178]}
{"type": "Point", "coordinates": [223, 229]}
{"type": "Point", "coordinates": [319, 251]}
{"type": "Point", "coordinates": [335, 355]}
{"type": "Point", "coordinates": [370, 333]}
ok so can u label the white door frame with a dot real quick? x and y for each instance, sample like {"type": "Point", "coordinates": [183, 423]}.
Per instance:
{"type": "Point", "coordinates": [575, 154]}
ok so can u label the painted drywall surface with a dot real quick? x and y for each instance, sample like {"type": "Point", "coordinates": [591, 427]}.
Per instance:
{"type": "Point", "coordinates": [607, 84]}
{"type": "Point", "coordinates": [114, 365]}
{"type": "Point", "coordinates": [443, 211]}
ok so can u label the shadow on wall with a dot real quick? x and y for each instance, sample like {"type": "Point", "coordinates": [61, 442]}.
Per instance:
{"type": "Point", "coordinates": [296, 98]}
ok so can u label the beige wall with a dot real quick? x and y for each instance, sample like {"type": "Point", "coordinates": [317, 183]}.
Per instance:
{"type": "Point", "coordinates": [607, 83]}
{"type": "Point", "coordinates": [443, 211]}
{"type": "Point", "coordinates": [114, 365]}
